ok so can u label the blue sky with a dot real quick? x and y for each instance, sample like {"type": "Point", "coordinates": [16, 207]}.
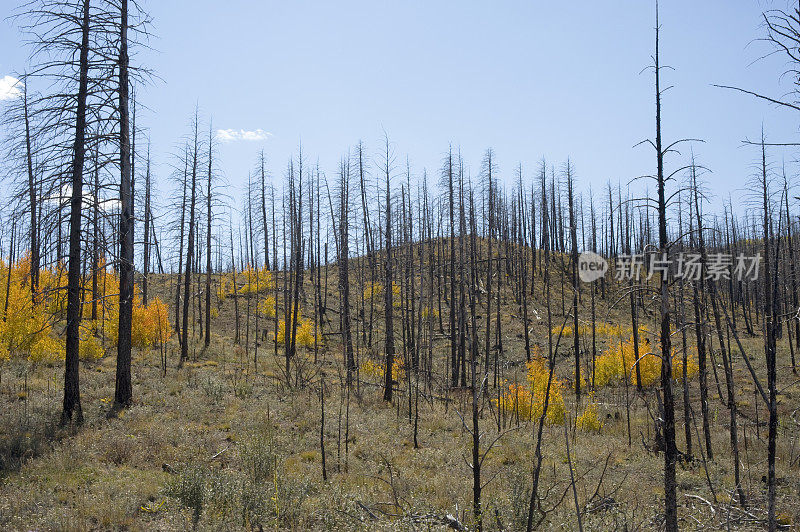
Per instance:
{"type": "Point", "coordinates": [529, 79]}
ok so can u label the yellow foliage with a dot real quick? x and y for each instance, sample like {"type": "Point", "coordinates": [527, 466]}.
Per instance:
{"type": "Point", "coordinates": [589, 421]}
{"type": "Point", "coordinates": [150, 324]}
{"type": "Point", "coordinates": [620, 361]}
{"type": "Point", "coordinates": [429, 313]}
{"type": "Point", "coordinates": [538, 375]}
{"type": "Point", "coordinates": [53, 284]}
{"type": "Point", "coordinates": [26, 328]}
{"type": "Point", "coordinates": [266, 307]}
{"type": "Point", "coordinates": [304, 335]}
{"type": "Point", "coordinates": [373, 290]}
{"type": "Point", "coordinates": [224, 288]}
{"type": "Point", "coordinates": [376, 290]}
{"type": "Point", "coordinates": [536, 351]}
{"type": "Point", "coordinates": [649, 368]}
{"type": "Point", "coordinates": [27, 325]}
{"type": "Point", "coordinates": [517, 400]}
{"type": "Point", "coordinates": [528, 401]}
{"type": "Point", "coordinates": [48, 349]}
{"type": "Point", "coordinates": [396, 294]}
{"type": "Point", "coordinates": [677, 366]}
{"type": "Point", "coordinates": [377, 369]}
{"type": "Point", "coordinates": [607, 368]}
{"type": "Point", "coordinates": [256, 280]}
{"type": "Point", "coordinates": [371, 369]}
{"type": "Point", "coordinates": [90, 346]}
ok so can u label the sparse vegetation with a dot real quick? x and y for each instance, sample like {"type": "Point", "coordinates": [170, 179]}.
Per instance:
{"type": "Point", "coordinates": [378, 352]}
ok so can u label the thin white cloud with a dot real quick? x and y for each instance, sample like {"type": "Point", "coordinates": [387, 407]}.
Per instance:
{"type": "Point", "coordinates": [10, 88]}
{"type": "Point", "coordinates": [61, 199]}
{"type": "Point", "coordinates": [232, 135]}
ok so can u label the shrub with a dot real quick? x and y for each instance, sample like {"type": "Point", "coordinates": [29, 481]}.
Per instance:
{"type": "Point", "coordinates": [375, 290]}
{"type": "Point", "coordinates": [257, 457]}
{"type": "Point", "coordinates": [189, 487]}
{"type": "Point", "coordinates": [256, 280]}
{"type": "Point", "coordinates": [677, 366]}
{"type": "Point", "coordinates": [305, 332]}
{"type": "Point", "coordinates": [518, 400]}
{"type": "Point", "coordinates": [27, 328]}
{"type": "Point", "coordinates": [266, 307]}
{"type": "Point", "coordinates": [90, 346]}
{"type": "Point", "coordinates": [255, 505]}
{"type": "Point", "coordinates": [221, 498]}
{"type": "Point", "coordinates": [224, 288]}
{"type": "Point", "coordinates": [47, 349]}
{"type": "Point", "coordinates": [377, 369]}
{"type": "Point", "coordinates": [538, 375]}
{"type": "Point", "coordinates": [150, 324]}
{"type": "Point", "coordinates": [620, 361]}
{"type": "Point", "coordinates": [528, 402]}
{"type": "Point", "coordinates": [428, 312]}
{"type": "Point", "coordinates": [589, 421]}
{"type": "Point", "coordinates": [53, 287]}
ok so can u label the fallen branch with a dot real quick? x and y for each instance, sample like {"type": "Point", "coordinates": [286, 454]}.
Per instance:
{"type": "Point", "coordinates": [220, 453]}
{"type": "Point", "coordinates": [369, 512]}
{"type": "Point", "coordinates": [699, 498]}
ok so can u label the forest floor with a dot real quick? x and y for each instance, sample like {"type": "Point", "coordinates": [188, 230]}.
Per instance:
{"type": "Point", "coordinates": [224, 444]}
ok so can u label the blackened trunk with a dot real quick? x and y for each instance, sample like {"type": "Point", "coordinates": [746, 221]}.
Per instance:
{"type": "Point", "coordinates": [574, 237]}
{"type": "Point", "coordinates": [123, 391]}
{"type": "Point", "coordinates": [147, 222]}
{"type": "Point", "coordinates": [189, 252]}
{"type": "Point", "coordinates": [387, 290]}
{"type": "Point", "coordinates": [344, 273]}
{"type": "Point", "coordinates": [72, 395]}
{"type": "Point", "coordinates": [208, 240]}
{"type": "Point", "coordinates": [670, 451]}
{"type": "Point", "coordinates": [32, 199]}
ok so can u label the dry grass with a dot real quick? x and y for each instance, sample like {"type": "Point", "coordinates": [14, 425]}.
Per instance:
{"type": "Point", "coordinates": [220, 444]}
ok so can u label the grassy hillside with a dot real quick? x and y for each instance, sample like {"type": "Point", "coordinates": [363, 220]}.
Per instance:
{"type": "Point", "coordinates": [225, 442]}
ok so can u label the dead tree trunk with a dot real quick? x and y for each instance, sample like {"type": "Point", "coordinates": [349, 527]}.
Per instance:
{"type": "Point", "coordinates": [574, 237]}
{"type": "Point", "coordinates": [34, 243]}
{"type": "Point", "coordinates": [123, 392]}
{"type": "Point", "coordinates": [769, 346]}
{"type": "Point", "coordinates": [190, 245]}
{"type": "Point", "coordinates": [208, 236]}
{"type": "Point", "coordinates": [344, 272]}
{"type": "Point", "coordinates": [387, 289]}
{"type": "Point", "coordinates": [670, 450]}
{"type": "Point", "coordinates": [72, 395]}
{"type": "Point", "coordinates": [147, 223]}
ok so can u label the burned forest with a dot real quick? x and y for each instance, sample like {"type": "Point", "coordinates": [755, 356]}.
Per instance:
{"type": "Point", "coordinates": [221, 329]}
